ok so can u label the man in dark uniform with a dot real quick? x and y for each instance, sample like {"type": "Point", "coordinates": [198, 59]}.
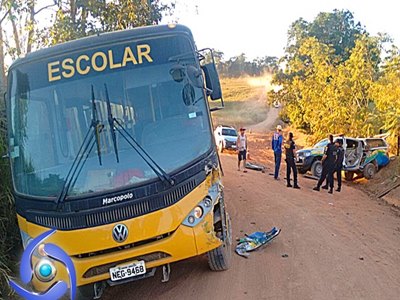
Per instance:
{"type": "Point", "coordinates": [339, 163]}
{"type": "Point", "coordinates": [290, 148]}
{"type": "Point", "coordinates": [328, 164]}
{"type": "Point", "coordinates": [339, 156]}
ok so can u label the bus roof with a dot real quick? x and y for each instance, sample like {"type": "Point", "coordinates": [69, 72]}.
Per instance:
{"type": "Point", "coordinates": [101, 39]}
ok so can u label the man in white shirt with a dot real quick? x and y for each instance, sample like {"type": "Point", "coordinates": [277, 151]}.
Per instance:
{"type": "Point", "coordinates": [241, 145]}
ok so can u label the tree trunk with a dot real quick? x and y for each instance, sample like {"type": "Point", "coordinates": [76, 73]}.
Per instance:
{"type": "Point", "coordinates": [15, 34]}
{"type": "Point", "coordinates": [31, 24]}
{"type": "Point", "coordinates": [3, 82]}
{"type": "Point", "coordinates": [83, 21]}
{"type": "Point", "coordinates": [73, 11]}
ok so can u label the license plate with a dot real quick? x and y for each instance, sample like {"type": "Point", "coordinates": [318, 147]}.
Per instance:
{"type": "Point", "coordinates": [127, 271]}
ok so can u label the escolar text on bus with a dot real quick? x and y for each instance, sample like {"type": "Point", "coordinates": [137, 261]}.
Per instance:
{"type": "Point", "coordinates": [98, 62]}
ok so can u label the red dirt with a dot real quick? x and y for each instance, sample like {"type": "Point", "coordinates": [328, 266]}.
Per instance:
{"type": "Point", "coordinates": [340, 246]}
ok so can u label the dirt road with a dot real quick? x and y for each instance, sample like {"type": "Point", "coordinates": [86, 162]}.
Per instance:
{"type": "Point", "coordinates": [340, 246]}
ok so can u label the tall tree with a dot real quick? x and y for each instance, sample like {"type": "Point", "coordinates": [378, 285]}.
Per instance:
{"type": "Point", "coordinates": [337, 29]}
{"type": "Point", "coordinates": [79, 18]}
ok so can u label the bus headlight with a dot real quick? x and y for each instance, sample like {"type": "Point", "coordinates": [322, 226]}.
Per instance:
{"type": "Point", "coordinates": [198, 213]}
{"type": "Point", "coordinates": [207, 202]}
{"type": "Point", "coordinates": [45, 270]}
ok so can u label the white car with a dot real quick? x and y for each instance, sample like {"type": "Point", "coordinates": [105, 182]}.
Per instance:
{"type": "Point", "coordinates": [225, 137]}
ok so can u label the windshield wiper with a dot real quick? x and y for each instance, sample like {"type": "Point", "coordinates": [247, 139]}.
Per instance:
{"type": "Point", "coordinates": [164, 177]}
{"type": "Point", "coordinates": [111, 123]}
{"type": "Point", "coordinates": [97, 126]}
{"type": "Point", "coordinates": [83, 153]}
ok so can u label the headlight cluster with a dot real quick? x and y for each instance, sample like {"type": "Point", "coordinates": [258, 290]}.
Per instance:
{"type": "Point", "coordinates": [307, 154]}
{"type": "Point", "coordinates": [203, 207]}
{"type": "Point", "coordinates": [197, 214]}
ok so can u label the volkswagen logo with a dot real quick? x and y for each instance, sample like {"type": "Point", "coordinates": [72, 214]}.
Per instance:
{"type": "Point", "coordinates": [120, 233]}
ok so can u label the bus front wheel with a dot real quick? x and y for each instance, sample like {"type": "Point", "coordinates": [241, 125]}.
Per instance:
{"type": "Point", "coordinates": [219, 259]}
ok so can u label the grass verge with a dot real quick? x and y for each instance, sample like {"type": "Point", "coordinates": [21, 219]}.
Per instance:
{"type": "Point", "coordinates": [9, 233]}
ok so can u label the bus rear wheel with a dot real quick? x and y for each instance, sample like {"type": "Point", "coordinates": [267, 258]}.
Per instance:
{"type": "Point", "coordinates": [219, 259]}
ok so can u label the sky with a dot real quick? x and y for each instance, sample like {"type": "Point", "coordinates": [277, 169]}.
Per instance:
{"type": "Point", "coordinates": [259, 27]}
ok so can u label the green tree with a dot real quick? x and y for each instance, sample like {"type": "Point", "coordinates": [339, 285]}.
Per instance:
{"type": "Point", "coordinates": [386, 93]}
{"type": "Point", "coordinates": [324, 96]}
{"type": "Point", "coordinates": [79, 18]}
{"type": "Point", "coordinates": [337, 29]}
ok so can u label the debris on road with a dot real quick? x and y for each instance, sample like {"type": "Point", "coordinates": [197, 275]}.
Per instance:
{"type": "Point", "coordinates": [255, 240]}
{"type": "Point", "coordinates": [387, 191]}
{"type": "Point", "coordinates": [255, 166]}
{"type": "Point", "coordinates": [310, 177]}
{"type": "Point", "coordinates": [285, 255]}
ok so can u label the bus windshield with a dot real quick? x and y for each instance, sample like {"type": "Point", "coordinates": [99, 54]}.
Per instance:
{"type": "Point", "coordinates": [51, 116]}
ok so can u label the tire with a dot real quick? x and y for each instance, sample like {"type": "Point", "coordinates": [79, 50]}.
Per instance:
{"type": "Point", "coordinates": [316, 168]}
{"type": "Point", "coordinates": [219, 259]}
{"type": "Point", "coordinates": [348, 175]}
{"type": "Point", "coordinates": [369, 171]}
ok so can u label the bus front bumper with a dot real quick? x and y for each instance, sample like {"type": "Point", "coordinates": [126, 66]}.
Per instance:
{"type": "Point", "coordinates": [183, 243]}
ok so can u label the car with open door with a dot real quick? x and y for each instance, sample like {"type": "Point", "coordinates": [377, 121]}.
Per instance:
{"type": "Point", "coordinates": [363, 156]}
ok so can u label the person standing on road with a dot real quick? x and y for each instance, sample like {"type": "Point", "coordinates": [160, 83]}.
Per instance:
{"type": "Point", "coordinates": [277, 148]}
{"type": "Point", "coordinates": [328, 164]}
{"type": "Point", "coordinates": [290, 152]}
{"type": "Point", "coordinates": [241, 144]}
{"type": "Point", "coordinates": [339, 163]}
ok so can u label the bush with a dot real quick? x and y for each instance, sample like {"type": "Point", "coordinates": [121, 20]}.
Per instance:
{"type": "Point", "coordinates": [9, 233]}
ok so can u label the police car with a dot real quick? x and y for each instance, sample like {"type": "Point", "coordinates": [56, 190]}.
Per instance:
{"type": "Point", "coordinates": [362, 156]}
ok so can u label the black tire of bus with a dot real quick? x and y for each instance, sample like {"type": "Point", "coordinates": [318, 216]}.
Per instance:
{"type": "Point", "coordinates": [219, 259]}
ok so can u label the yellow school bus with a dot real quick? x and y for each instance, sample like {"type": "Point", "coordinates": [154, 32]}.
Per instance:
{"type": "Point", "coordinates": [111, 145]}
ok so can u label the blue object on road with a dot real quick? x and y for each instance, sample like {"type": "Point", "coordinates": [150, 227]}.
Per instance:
{"type": "Point", "coordinates": [255, 240]}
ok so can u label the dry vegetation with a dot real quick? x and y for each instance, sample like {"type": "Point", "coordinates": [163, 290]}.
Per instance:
{"type": "Point", "coordinates": [245, 101]}
{"type": "Point", "coordinates": [9, 234]}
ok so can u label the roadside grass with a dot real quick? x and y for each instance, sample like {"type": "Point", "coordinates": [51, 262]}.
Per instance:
{"type": "Point", "coordinates": [9, 233]}
{"type": "Point", "coordinates": [245, 101]}
{"type": "Point", "coordinates": [238, 89]}
{"type": "Point", "coordinates": [240, 113]}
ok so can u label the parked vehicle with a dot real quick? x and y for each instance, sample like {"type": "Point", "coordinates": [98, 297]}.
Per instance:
{"type": "Point", "coordinates": [225, 137]}
{"type": "Point", "coordinates": [110, 147]}
{"type": "Point", "coordinates": [363, 156]}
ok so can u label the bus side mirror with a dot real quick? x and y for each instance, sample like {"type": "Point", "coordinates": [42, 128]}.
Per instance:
{"type": "Point", "coordinates": [212, 81]}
